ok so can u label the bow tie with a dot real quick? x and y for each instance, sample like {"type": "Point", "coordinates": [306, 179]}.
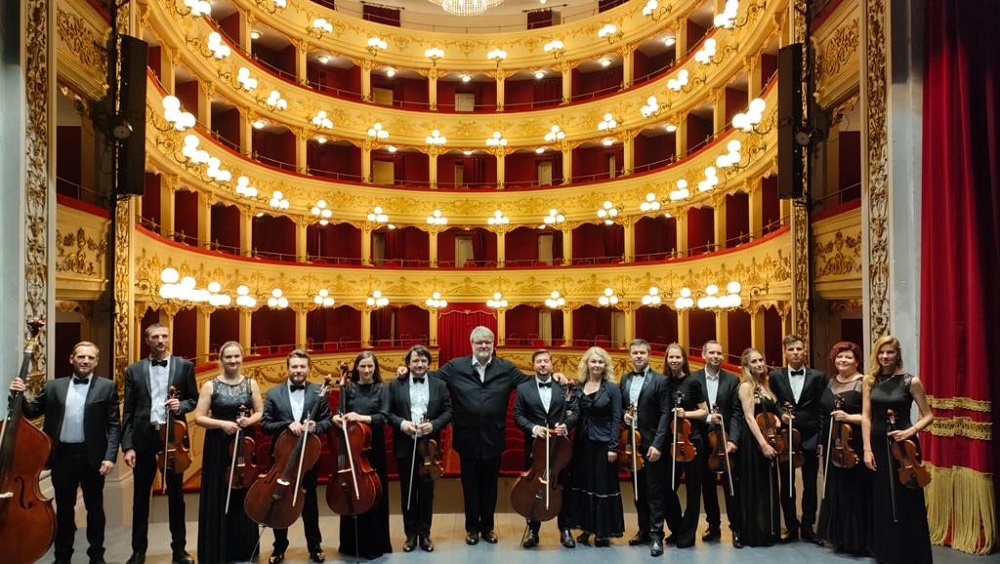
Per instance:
{"type": "Point", "coordinates": [419, 380]}
{"type": "Point", "coordinates": [84, 381]}
{"type": "Point", "coordinates": [162, 363]}
{"type": "Point", "coordinates": [545, 384]}
{"type": "Point", "coordinates": [298, 387]}
{"type": "Point", "coordinates": [799, 372]}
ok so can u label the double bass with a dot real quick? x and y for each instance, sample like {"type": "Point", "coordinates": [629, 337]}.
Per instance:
{"type": "Point", "coordinates": [354, 486]}
{"type": "Point", "coordinates": [176, 454]}
{"type": "Point", "coordinates": [537, 493]}
{"type": "Point", "coordinates": [27, 520]}
{"type": "Point", "coordinates": [276, 499]}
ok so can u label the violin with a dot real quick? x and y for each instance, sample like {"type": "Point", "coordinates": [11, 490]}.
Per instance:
{"type": "Point", "coordinates": [912, 473]}
{"type": "Point", "coordinates": [429, 454]}
{"type": "Point", "coordinates": [243, 453]}
{"type": "Point", "coordinates": [354, 486]}
{"type": "Point", "coordinates": [537, 493]}
{"type": "Point", "coordinates": [276, 499]}
{"type": "Point", "coordinates": [794, 439]}
{"type": "Point", "coordinates": [628, 442]}
{"type": "Point", "coordinates": [176, 454]}
{"type": "Point", "coordinates": [841, 454]}
{"type": "Point", "coordinates": [768, 424]}
{"type": "Point", "coordinates": [27, 519]}
{"type": "Point", "coordinates": [718, 456]}
{"type": "Point", "coordinates": [683, 449]}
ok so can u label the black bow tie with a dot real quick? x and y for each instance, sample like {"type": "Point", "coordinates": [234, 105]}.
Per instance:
{"type": "Point", "coordinates": [545, 384]}
{"type": "Point", "coordinates": [419, 380]}
{"type": "Point", "coordinates": [298, 387]}
{"type": "Point", "coordinates": [799, 372]}
{"type": "Point", "coordinates": [81, 380]}
{"type": "Point", "coordinates": [162, 363]}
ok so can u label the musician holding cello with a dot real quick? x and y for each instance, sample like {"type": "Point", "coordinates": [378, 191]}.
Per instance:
{"type": "Point", "coordinates": [899, 518]}
{"type": "Point", "coordinates": [724, 425]}
{"type": "Point", "coordinates": [147, 407]}
{"type": "Point", "coordinates": [286, 407]}
{"type": "Point", "coordinates": [545, 411]}
{"type": "Point", "coordinates": [419, 408]}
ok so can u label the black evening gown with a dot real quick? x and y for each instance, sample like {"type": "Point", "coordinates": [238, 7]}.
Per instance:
{"type": "Point", "coordinates": [907, 541]}
{"type": "Point", "coordinates": [367, 535]}
{"type": "Point", "coordinates": [683, 524]}
{"type": "Point", "coordinates": [760, 511]}
{"type": "Point", "coordinates": [845, 516]}
{"type": "Point", "coordinates": [224, 537]}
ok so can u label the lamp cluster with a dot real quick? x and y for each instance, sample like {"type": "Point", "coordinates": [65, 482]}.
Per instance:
{"type": "Point", "coordinates": [201, 157]}
{"type": "Point", "coordinates": [711, 298]}
{"type": "Point", "coordinates": [244, 188]}
{"type": "Point", "coordinates": [753, 117]}
{"type": "Point", "coordinates": [711, 179]}
{"type": "Point", "coordinates": [176, 117]}
{"type": "Point", "coordinates": [608, 212]}
{"type": "Point", "coordinates": [727, 17]}
{"type": "Point", "coordinates": [555, 301]}
{"type": "Point", "coordinates": [437, 218]}
{"type": "Point", "coordinates": [497, 301]}
{"type": "Point", "coordinates": [277, 299]}
{"type": "Point", "coordinates": [436, 301]}
{"type": "Point", "coordinates": [608, 299]}
{"type": "Point", "coordinates": [376, 300]}
{"type": "Point", "coordinates": [174, 287]}
{"type": "Point", "coordinates": [217, 47]}
{"type": "Point", "coordinates": [677, 84]}
{"type": "Point", "coordinates": [323, 298]}
{"type": "Point", "coordinates": [498, 218]}
{"type": "Point", "coordinates": [321, 212]}
{"type": "Point", "coordinates": [707, 51]}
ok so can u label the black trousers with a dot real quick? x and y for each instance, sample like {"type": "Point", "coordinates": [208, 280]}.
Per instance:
{"type": "Point", "coordinates": [479, 490]}
{"type": "Point", "coordinates": [310, 519]}
{"type": "Point", "coordinates": [417, 519]}
{"type": "Point", "coordinates": [682, 524]}
{"type": "Point", "coordinates": [70, 470]}
{"type": "Point", "coordinates": [710, 495]}
{"type": "Point", "coordinates": [810, 471]}
{"type": "Point", "coordinates": [144, 473]}
{"type": "Point", "coordinates": [649, 507]}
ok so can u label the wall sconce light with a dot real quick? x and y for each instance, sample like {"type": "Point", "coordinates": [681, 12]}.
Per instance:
{"type": "Point", "coordinates": [244, 299]}
{"type": "Point", "coordinates": [376, 131]}
{"type": "Point", "coordinates": [651, 107]}
{"type": "Point", "coordinates": [751, 119]}
{"type": "Point", "coordinates": [376, 44]}
{"type": "Point", "coordinates": [319, 27]}
{"type": "Point", "coordinates": [728, 17]}
{"type": "Point", "coordinates": [498, 218]}
{"type": "Point", "coordinates": [217, 48]}
{"type": "Point", "coordinates": [271, 6]}
{"type": "Point", "coordinates": [191, 152]}
{"type": "Point", "coordinates": [608, 212]}
{"type": "Point", "coordinates": [732, 157]}
{"type": "Point", "coordinates": [610, 32]}
{"type": "Point", "coordinates": [172, 112]}
{"type": "Point", "coordinates": [554, 218]}
{"type": "Point", "coordinates": [216, 172]}
{"type": "Point", "coordinates": [376, 300]}
{"type": "Point", "coordinates": [555, 301]}
{"type": "Point", "coordinates": [437, 218]}
{"type": "Point", "coordinates": [555, 134]}
{"type": "Point", "coordinates": [436, 301]}
{"type": "Point", "coordinates": [609, 123]}
{"type": "Point", "coordinates": [274, 101]}
{"type": "Point", "coordinates": [655, 11]}
{"type": "Point", "coordinates": [321, 212]}
{"type": "Point", "coordinates": [194, 8]}
{"type": "Point", "coordinates": [277, 300]}
{"type": "Point", "coordinates": [377, 216]}
{"type": "Point", "coordinates": [497, 56]}
{"type": "Point", "coordinates": [321, 121]}
{"type": "Point", "coordinates": [497, 140]}
{"type": "Point", "coordinates": [435, 139]}
{"type": "Point", "coordinates": [555, 47]}
{"type": "Point", "coordinates": [497, 301]}
{"type": "Point", "coordinates": [608, 299]}
{"type": "Point", "coordinates": [711, 179]}
{"type": "Point", "coordinates": [244, 80]}
{"type": "Point", "coordinates": [244, 189]}
{"type": "Point", "coordinates": [681, 192]}
{"type": "Point", "coordinates": [323, 298]}
{"type": "Point", "coordinates": [652, 297]}
{"type": "Point", "coordinates": [650, 204]}
{"type": "Point", "coordinates": [434, 54]}
{"type": "Point", "coordinates": [278, 201]}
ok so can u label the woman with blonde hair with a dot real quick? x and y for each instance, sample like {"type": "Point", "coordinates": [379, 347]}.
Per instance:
{"type": "Point", "coordinates": [756, 463]}
{"type": "Point", "coordinates": [594, 492]}
{"type": "Point", "coordinates": [899, 517]}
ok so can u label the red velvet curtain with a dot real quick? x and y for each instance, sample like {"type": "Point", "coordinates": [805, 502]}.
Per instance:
{"type": "Point", "coordinates": [961, 217]}
{"type": "Point", "coordinates": [455, 322]}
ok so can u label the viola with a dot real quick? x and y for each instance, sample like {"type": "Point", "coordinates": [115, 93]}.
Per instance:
{"type": "Point", "coordinates": [628, 442]}
{"type": "Point", "coordinates": [912, 473]}
{"type": "Point", "coordinates": [27, 519]}
{"type": "Point", "coordinates": [276, 499]}
{"type": "Point", "coordinates": [767, 422]}
{"type": "Point", "coordinates": [243, 453]}
{"type": "Point", "coordinates": [354, 486]}
{"type": "Point", "coordinates": [794, 440]}
{"type": "Point", "coordinates": [841, 454]}
{"type": "Point", "coordinates": [537, 493]}
{"type": "Point", "coordinates": [176, 454]}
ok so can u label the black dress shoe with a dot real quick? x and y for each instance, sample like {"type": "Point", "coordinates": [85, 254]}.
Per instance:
{"type": "Point", "coordinates": [315, 556]}
{"type": "Point", "coordinates": [601, 543]}
{"type": "Point", "coordinates": [530, 540]}
{"type": "Point", "coordinates": [276, 558]}
{"type": "Point", "coordinates": [411, 543]}
{"type": "Point", "coordinates": [792, 535]}
{"type": "Point", "coordinates": [583, 538]}
{"type": "Point", "coordinates": [656, 546]}
{"type": "Point", "coordinates": [670, 539]}
{"type": "Point", "coordinates": [639, 538]}
{"type": "Point", "coordinates": [471, 538]}
{"type": "Point", "coordinates": [183, 558]}
{"type": "Point", "coordinates": [712, 534]}
{"type": "Point", "coordinates": [567, 539]}
{"type": "Point", "coordinates": [809, 536]}
{"type": "Point", "coordinates": [737, 543]}
{"type": "Point", "coordinates": [136, 558]}
{"type": "Point", "coordinates": [490, 537]}
{"type": "Point", "coordinates": [426, 545]}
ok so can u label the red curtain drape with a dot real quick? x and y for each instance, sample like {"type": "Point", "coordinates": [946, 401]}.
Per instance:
{"type": "Point", "coordinates": [455, 322]}
{"type": "Point", "coordinates": [960, 216]}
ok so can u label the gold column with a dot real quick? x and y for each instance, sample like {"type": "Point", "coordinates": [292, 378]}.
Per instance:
{"type": "Point", "coordinates": [301, 315]}
{"type": "Point", "coordinates": [567, 164]}
{"type": "Point", "coordinates": [681, 223]}
{"type": "Point", "coordinates": [247, 19]}
{"type": "Point", "coordinates": [629, 310]}
{"type": "Point", "coordinates": [168, 62]}
{"type": "Point", "coordinates": [567, 81]}
{"type": "Point", "coordinates": [501, 82]}
{"type": "Point", "coordinates": [432, 88]}
{"type": "Point", "coordinates": [567, 327]}
{"type": "Point", "coordinates": [203, 328]}
{"type": "Point", "coordinates": [246, 132]}
{"type": "Point", "coordinates": [719, 110]}
{"type": "Point", "coordinates": [301, 68]}
{"type": "Point", "coordinates": [628, 152]}
{"type": "Point", "coordinates": [205, 200]}
{"type": "Point", "coordinates": [683, 329]}
{"type": "Point", "coordinates": [432, 251]}
{"type": "Point", "coordinates": [366, 245]}
{"type": "Point", "coordinates": [755, 82]}
{"type": "Point", "coordinates": [757, 337]}
{"type": "Point", "coordinates": [432, 328]}
{"type": "Point", "coordinates": [722, 328]}
{"type": "Point", "coordinates": [246, 320]}
{"type": "Point", "coordinates": [719, 220]}
{"type": "Point", "coordinates": [681, 34]}
{"type": "Point", "coordinates": [366, 161]}
{"type": "Point", "coordinates": [756, 206]}
{"type": "Point", "coordinates": [301, 151]}
{"type": "Point", "coordinates": [680, 136]}
{"type": "Point", "coordinates": [629, 225]}
{"type": "Point", "coordinates": [366, 327]}
{"type": "Point", "coordinates": [501, 314]}
{"type": "Point", "coordinates": [501, 246]}
{"type": "Point", "coordinates": [301, 241]}
{"type": "Point", "coordinates": [628, 70]}
{"type": "Point", "coordinates": [366, 79]}
{"type": "Point", "coordinates": [567, 245]}
{"type": "Point", "coordinates": [432, 166]}
{"type": "Point", "coordinates": [205, 92]}
{"type": "Point", "coordinates": [501, 173]}
{"type": "Point", "coordinates": [168, 188]}
{"type": "Point", "coordinates": [246, 231]}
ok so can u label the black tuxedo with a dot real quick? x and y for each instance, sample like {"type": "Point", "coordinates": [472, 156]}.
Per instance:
{"type": "Point", "coordinates": [77, 465]}
{"type": "Point", "coordinates": [275, 419]}
{"type": "Point", "coordinates": [728, 401]}
{"type": "Point", "coordinates": [480, 416]}
{"type": "Point", "coordinates": [139, 434]}
{"type": "Point", "coordinates": [808, 421]}
{"type": "Point", "coordinates": [417, 518]}
{"type": "Point", "coordinates": [654, 405]}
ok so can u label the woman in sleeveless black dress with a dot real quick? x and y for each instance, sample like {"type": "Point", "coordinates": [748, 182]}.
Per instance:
{"type": "Point", "coordinates": [757, 460]}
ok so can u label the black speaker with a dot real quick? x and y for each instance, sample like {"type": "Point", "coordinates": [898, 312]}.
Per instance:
{"type": "Point", "coordinates": [790, 179]}
{"type": "Point", "coordinates": [130, 125]}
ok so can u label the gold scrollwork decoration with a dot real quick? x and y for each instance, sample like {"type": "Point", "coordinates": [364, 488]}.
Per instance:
{"type": "Point", "coordinates": [79, 253]}
{"type": "Point", "coordinates": [82, 41]}
{"type": "Point", "coordinates": [982, 406]}
{"type": "Point", "coordinates": [838, 256]}
{"type": "Point", "coordinates": [962, 427]}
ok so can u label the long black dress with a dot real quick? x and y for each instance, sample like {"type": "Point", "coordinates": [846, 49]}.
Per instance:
{"type": "Point", "coordinates": [594, 493]}
{"type": "Point", "coordinates": [367, 535]}
{"type": "Point", "coordinates": [760, 512]}
{"type": "Point", "coordinates": [224, 537]}
{"type": "Point", "coordinates": [845, 517]}
{"type": "Point", "coordinates": [683, 525]}
{"type": "Point", "coordinates": [907, 541]}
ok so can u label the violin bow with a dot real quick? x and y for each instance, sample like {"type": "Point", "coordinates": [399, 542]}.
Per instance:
{"type": "Point", "coordinates": [171, 392]}
{"type": "Point", "coordinates": [305, 440]}
{"type": "Point", "coordinates": [891, 425]}
{"type": "Point", "coordinates": [838, 400]}
{"type": "Point", "coordinates": [343, 427]}
{"type": "Point", "coordinates": [631, 437]}
{"type": "Point", "coordinates": [725, 449]}
{"type": "Point", "coordinates": [232, 465]}
{"type": "Point", "coordinates": [791, 454]}
{"type": "Point", "coordinates": [413, 464]}
{"type": "Point", "coordinates": [678, 398]}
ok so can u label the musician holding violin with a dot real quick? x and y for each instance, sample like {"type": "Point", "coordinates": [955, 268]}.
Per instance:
{"type": "Point", "coordinates": [287, 408]}
{"type": "Point", "coordinates": [844, 516]}
{"type": "Point", "coordinates": [419, 408]}
{"type": "Point", "coordinates": [545, 411]}
{"type": "Point", "coordinates": [760, 443]}
{"type": "Point", "coordinates": [149, 411]}
{"type": "Point", "coordinates": [687, 442]}
{"type": "Point", "coordinates": [900, 533]}
{"type": "Point", "coordinates": [228, 404]}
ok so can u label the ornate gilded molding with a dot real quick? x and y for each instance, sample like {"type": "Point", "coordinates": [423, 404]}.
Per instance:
{"type": "Point", "coordinates": [82, 41]}
{"type": "Point", "coordinates": [80, 253]}
{"type": "Point", "coordinates": [839, 255]}
{"type": "Point", "coordinates": [124, 295]}
{"type": "Point", "coordinates": [962, 427]}
{"type": "Point", "coordinates": [801, 265]}
{"type": "Point", "coordinates": [841, 49]}
{"type": "Point", "coordinates": [982, 406]}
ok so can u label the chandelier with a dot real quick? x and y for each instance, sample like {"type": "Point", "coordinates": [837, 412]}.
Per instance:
{"type": "Point", "coordinates": [466, 7]}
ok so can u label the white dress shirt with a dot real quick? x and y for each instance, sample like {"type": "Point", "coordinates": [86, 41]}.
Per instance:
{"type": "Point", "coordinates": [480, 368]}
{"type": "Point", "coordinates": [420, 397]}
{"type": "Point", "coordinates": [636, 386]}
{"type": "Point", "coordinates": [711, 390]}
{"type": "Point", "coordinates": [298, 400]}
{"type": "Point", "coordinates": [158, 384]}
{"type": "Point", "coordinates": [545, 392]}
{"type": "Point", "coordinates": [76, 402]}
{"type": "Point", "coordinates": [797, 381]}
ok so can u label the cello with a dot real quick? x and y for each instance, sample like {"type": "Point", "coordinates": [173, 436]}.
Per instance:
{"type": "Point", "coordinates": [537, 493]}
{"type": "Point", "coordinates": [275, 500]}
{"type": "Point", "coordinates": [27, 520]}
{"type": "Point", "coordinates": [176, 454]}
{"type": "Point", "coordinates": [354, 486]}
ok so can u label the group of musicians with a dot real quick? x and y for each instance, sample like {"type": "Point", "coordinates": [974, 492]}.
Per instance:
{"type": "Point", "coordinates": [657, 416]}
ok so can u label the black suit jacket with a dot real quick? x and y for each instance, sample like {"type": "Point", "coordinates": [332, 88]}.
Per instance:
{"type": "Point", "coordinates": [101, 424]}
{"type": "Point", "coordinates": [808, 408]}
{"type": "Point", "coordinates": [654, 407]}
{"type": "Point", "coordinates": [438, 412]}
{"type": "Point", "coordinates": [136, 427]}
{"type": "Point", "coordinates": [727, 399]}
{"type": "Point", "coordinates": [480, 408]}
{"type": "Point", "coordinates": [277, 415]}
{"type": "Point", "coordinates": [603, 428]}
{"type": "Point", "coordinates": [529, 411]}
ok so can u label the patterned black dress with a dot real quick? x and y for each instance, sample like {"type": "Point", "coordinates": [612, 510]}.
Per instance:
{"type": "Point", "coordinates": [760, 511]}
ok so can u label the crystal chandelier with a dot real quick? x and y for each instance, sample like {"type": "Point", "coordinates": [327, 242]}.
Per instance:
{"type": "Point", "coordinates": [466, 7]}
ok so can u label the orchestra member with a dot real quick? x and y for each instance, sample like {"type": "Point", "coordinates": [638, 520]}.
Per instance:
{"type": "Point", "coordinates": [81, 418]}
{"type": "Point", "coordinates": [646, 391]}
{"type": "Point", "coordinates": [146, 403]}
{"type": "Point", "coordinates": [757, 466]}
{"type": "Point", "coordinates": [720, 394]}
{"type": "Point", "coordinates": [419, 408]}
{"type": "Point", "coordinates": [286, 407]}
{"type": "Point", "coordinates": [802, 387]}
{"type": "Point", "coordinates": [542, 409]}
{"type": "Point", "coordinates": [228, 403]}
